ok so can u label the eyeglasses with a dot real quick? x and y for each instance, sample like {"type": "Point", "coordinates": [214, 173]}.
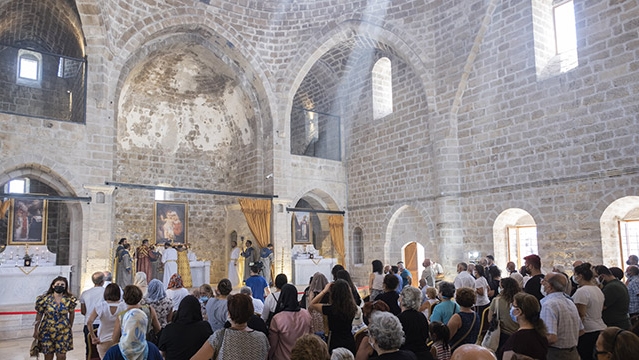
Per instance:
{"type": "Point", "coordinates": [596, 352]}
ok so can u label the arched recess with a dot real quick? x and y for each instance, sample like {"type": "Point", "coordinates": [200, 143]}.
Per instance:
{"type": "Point", "coordinates": [64, 230]}
{"type": "Point", "coordinates": [507, 225]}
{"type": "Point", "coordinates": [320, 200]}
{"type": "Point", "coordinates": [405, 227]}
{"type": "Point", "coordinates": [623, 209]}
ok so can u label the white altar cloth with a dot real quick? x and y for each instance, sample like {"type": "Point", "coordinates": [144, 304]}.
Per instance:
{"type": "Point", "coordinates": [305, 268]}
{"type": "Point", "coordinates": [200, 273]}
{"type": "Point", "coordinates": [21, 285]}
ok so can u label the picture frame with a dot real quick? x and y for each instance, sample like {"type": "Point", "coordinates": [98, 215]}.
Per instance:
{"type": "Point", "coordinates": [27, 222]}
{"type": "Point", "coordinates": [170, 222]}
{"type": "Point", "coordinates": [301, 227]}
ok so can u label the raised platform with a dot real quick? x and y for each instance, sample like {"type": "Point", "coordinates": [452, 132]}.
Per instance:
{"type": "Point", "coordinates": [16, 321]}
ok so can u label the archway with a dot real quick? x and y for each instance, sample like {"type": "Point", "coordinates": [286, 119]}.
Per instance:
{"type": "Point", "coordinates": [620, 210]}
{"type": "Point", "coordinates": [514, 236]}
{"type": "Point", "coordinates": [407, 240]}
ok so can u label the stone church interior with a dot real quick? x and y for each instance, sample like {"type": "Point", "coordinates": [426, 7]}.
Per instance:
{"type": "Point", "coordinates": [375, 130]}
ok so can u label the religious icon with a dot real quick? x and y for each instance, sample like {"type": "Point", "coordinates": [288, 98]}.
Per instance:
{"type": "Point", "coordinates": [27, 222]}
{"type": "Point", "coordinates": [170, 222]}
{"type": "Point", "coordinates": [301, 228]}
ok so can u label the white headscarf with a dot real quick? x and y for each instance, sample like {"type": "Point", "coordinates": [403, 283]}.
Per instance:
{"type": "Point", "coordinates": [132, 343]}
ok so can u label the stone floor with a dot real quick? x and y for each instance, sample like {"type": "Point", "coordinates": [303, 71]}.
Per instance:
{"type": "Point", "coordinates": [18, 349]}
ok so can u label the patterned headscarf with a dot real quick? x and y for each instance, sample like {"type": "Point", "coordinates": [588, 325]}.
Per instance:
{"type": "Point", "coordinates": [318, 283]}
{"type": "Point", "coordinates": [175, 282]}
{"type": "Point", "coordinates": [155, 291]}
{"type": "Point", "coordinates": [132, 343]}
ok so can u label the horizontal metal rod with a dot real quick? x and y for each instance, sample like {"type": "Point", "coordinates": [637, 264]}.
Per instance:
{"type": "Point", "coordinates": [188, 190]}
{"type": "Point", "coordinates": [46, 197]}
{"type": "Point", "coordinates": [288, 209]}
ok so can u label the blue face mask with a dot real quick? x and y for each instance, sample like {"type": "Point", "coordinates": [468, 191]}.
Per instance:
{"type": "Point", "coordinates": [204, 299]}
{"type": "Point", "coordinates": [513, 316]}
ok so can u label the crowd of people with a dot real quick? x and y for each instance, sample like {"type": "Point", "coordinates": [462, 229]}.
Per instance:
{"type": "Point", "coordinates": [593, 313]}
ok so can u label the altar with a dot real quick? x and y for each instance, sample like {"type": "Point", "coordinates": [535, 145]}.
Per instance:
{"type": "Point", "coordinates": [200, 273]}
{"type": "Point", "coordinates": [305, 268]}
{"type": "Point", "coordinates": [21, 285]}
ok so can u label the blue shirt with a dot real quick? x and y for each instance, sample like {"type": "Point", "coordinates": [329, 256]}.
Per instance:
{"type": "Point", "coordinates": [400, 286]}
{"type": "Point", "coordinates": [444, 311]}
{"type": "Point", "coordinates": [257, 284]}
{"type": "Point", "coordinates": [633, 291]}
{"type": "Point", "coordinates": [405, 274]}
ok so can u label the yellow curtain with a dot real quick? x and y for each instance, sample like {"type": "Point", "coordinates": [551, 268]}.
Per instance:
{"type": "Point", "coordinates": [4, 206]}
{"type": "Point", "coordinates": [258, 217]}
{"type": "Point", "coordinates": [336, 227]}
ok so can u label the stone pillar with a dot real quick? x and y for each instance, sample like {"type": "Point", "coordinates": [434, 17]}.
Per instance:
{"type": "Point", "coordinates": [97, 242]}
{"type": "Point", "coordinates": [281, 232]}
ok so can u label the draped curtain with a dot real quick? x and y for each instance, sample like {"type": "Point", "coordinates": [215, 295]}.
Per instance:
{"type": "Point", "coordinates": [336, 228]}
{"type": "Point", "coordinates": [4, 206]}
{"type": "Point", "coordinates": [258, 217]}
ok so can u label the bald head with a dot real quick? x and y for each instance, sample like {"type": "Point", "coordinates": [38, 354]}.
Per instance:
{"type": "Point", "coordinates": [472, 352]}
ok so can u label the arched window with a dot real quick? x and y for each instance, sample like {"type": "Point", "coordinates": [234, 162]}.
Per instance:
{"type": "Point", "coordinates": [29, 68]}
{"type": "Point", "coordinates": [514, 236]}
{"type": "Point", "coordinates": [358, 245]}
{"type": "Point", "coordinates": [382, 80]}
{"type": "Point", "coordinates": [522, 241]}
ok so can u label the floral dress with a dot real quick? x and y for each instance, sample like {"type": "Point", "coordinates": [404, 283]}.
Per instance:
{"type": "Point", "coordinates": [55, 333]}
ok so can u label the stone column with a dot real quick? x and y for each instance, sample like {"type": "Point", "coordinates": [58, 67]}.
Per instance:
{"type": "Point", "coordinates": [97, 241]}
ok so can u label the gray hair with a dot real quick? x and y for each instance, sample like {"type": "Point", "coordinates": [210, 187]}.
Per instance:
{"type": "Point", "coordinates": [341, 353]}
{"type": "Point", "coordinates": [246, 291]}
{"type": "Point", "coordinates": [386, 330]}
{"type": "Point", "coordinates": [558, 282]}
{"type": "Point", "coordinates": [411, 298]}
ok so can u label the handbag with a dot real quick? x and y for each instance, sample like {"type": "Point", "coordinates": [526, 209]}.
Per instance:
{"type": "Point", "coordinates": [491, 339]}
{"type": "Point", "coordinates": [34, 351]}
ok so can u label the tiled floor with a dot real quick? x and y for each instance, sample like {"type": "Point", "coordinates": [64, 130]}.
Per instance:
{"type": "Point", "coordinates": [18, 349]}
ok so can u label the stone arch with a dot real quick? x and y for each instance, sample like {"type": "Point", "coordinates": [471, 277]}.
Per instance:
{"type": "Point", "coordinates": [407, 225]}
{"type": "Point", "coordinates": [620, 209]}
{"type": "Point", "coordinates": [320, 199]}
{"type": "Point", "coordinates": [190, 20]}
{"type": "Point", "coordinates": [507, 218]}
{"type": "Point", "coordinates": [331, 38]}
{"type": "Point", "coordinates": [62, 187]}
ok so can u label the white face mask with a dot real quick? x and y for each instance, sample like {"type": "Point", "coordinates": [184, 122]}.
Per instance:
{"type": "Point", "coordinates": [543, 290]}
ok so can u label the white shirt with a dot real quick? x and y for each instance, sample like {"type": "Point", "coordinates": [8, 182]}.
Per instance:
{"type": "Point", "coordinates": [258, 306]}
{"type": "Point", "coordinates": [593, 298]}
{"type": "Point", "coordinates": [107, 320]}
{"type": "Point", "coordinates": [464, 279]}
{"type": "Point", "coordinates": [177, 295]}
{"type": "Point", "coordinates": [482, 300]}
{"type": "Point", "coordinates": [269, 304]}
{"type": "Point", "coordinates": [169, 254]}
{"type": "Point", "coordinates": [91, 298]}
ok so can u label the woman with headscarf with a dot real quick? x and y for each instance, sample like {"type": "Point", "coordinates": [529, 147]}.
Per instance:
{"type": "Point", "coordinates": [156, 298]}
{"type": "Point", "coordinates": [289, 323]}
{"type": "Point", "coordinates": [176, 290]}
{"type": "Point", "coordinates": [185, 335]}
{"type": "Point", "coordinates": [140, 282]}
{"type": "Point", "coordinates": [132, 344]}
{"type": "Point", "coordinates": [317, 285]}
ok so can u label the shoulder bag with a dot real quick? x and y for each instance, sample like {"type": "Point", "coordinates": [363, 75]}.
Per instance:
{"type": "Point", "coordinates": [491, 339]}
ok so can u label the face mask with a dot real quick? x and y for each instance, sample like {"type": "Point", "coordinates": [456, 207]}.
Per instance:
{"type": "Point", "coordinates": [59, 289]}
{"type": "Point", "coordinates": [500, 289]}
{"type": "Point", "coordinates": [513, 316]}
{"type": "Point", "coordinates": [599, 280]}
{"type": "Point", "coordinates": [204, 299]}
{"type": "Point", "coordinates": [543, 291]}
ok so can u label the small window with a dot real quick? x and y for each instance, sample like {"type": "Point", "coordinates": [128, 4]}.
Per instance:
{"type": "Point", "coordinates": [522, 241]}
{"type": "Point", "coordinates": [29, 68]}
{"type": "Point", "coordinates": [382, 81]}
{"type": "Point", "coordinates": [358, 244]}
{"type": "Point", "coordinates": [555, 37]}
{"type": "Point", "coordinates": [565, 31]}
{"type": "Point", "coordinates": [17, 186]}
